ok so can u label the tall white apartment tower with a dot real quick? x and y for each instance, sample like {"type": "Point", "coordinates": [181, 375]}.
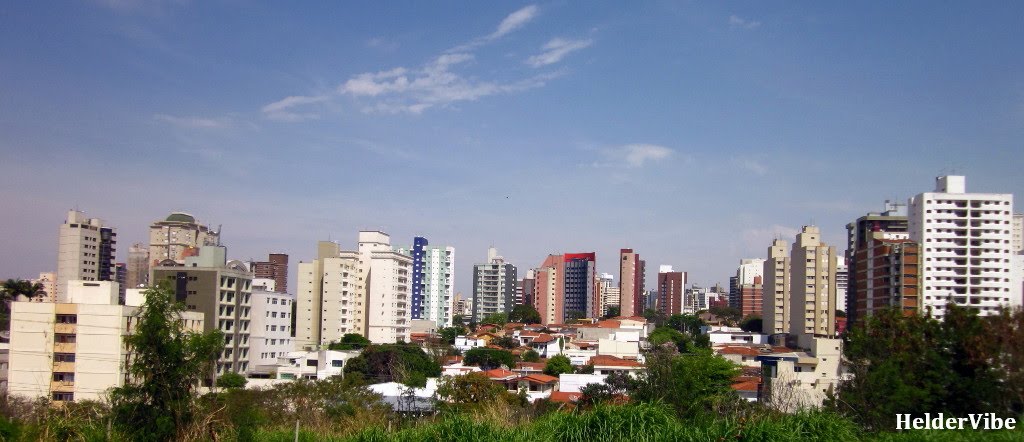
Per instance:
{"type": "Point", "coordinates": [328, 302]}
{"type": "Point", "coordinates": [85, 251]}
{"type": "Point", "coordinates": [774, 306]}
{"type": "Point", "coordinates": [432, 281]}
{"type": "Point", "coordinates": [812, 305]}
{"type": "Point", "coordinates": [387, 280]}
{"type": "Point", "coordinates": [965, 241]}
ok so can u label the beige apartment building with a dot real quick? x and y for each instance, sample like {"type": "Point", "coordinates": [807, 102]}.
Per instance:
{"type": "Point", "coordinates": [49, 282]}
{"type": "Point", "coordinates": [85, 251]}
{"type": "Point", "coordinates": [177, 237]}
{"type": "Point", "coordinates": [73, 351]}
{"type": "Point", "coordinates": [366, 291]}
{"type": "Point", "coordinates": [812, 286]}
{"type": "Point", "coordinates": [776, 289]}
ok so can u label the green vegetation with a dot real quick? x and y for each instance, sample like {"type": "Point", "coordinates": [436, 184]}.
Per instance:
{"type": "Point", "coordinates": [167, 364]}
{"type": "Point", "coordinates": [448, 334]}
{"type": "Point", "coordinates": [9, 291]}
{"type": "Point", "coordinates": [531, 356]}
{"type": "Point", "coordinates": [557, 365]}
{"type": "Point", "coordinates": [351, 341]}
{"type": "Point", "coordinates": [232, 380]}
{"type": "Point", "coordinates": [498, 319]}
{"type": "Point", "coordinates": [752, 323]}
{"type": "Point", "coordinates": [524, 314]}
{"type": "Point", "coordinates": [406, 363]}
{"type": "Point", "coordinates": [489, 358]}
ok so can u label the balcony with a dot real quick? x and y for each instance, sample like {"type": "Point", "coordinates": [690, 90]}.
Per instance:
{"type": "Point", "coordinates": [65, 328]}
{"type": "Point", "coordinates": [64, 347]}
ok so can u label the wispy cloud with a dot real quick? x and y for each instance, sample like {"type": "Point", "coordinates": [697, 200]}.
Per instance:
{"type": "Point", "coordinates": [742, 23]}
{"type": "Point", "coordinates": [555, 50]}
{"type": "Point", "coordinates": [633, 155]}
{"type": "Point", "coordinates": [439, 82]}
{"type": "Point", "coordinates": [751, 165]}
{"type": "Point", "coordinates": [511, 22]}
{"type": "Point", "coordinates": [280, 110]}
{"type": "Point", "coordinates": [193, 122]}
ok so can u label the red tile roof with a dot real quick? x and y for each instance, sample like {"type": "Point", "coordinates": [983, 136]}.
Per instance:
{"type": "Point", "coordinates": [738, 350]}
{"type": "Point", "coordinates": [530, 366]}
{"type": "Point", "coordinates": [500, 373]}
{"type": "Point", "coordinates": [543, 339]}
{"type": "Point", "coordinates": [565, 396]}
{"type": "Point", "coordinates": [539, 378]}
{"type": "Point", "coordinates": [612, 361]}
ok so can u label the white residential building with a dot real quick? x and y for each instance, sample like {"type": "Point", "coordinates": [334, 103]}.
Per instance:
{"type": "Point", "coordinates": [812, 304]}
{"type": "Point", "coordinates": [330, 301]}
{"type": "Point", "coordinates": [802, 379]}
{"type": "Point", "coordinates": [49, 282]}
{"type": "Point", "coordinates": [776, 291]}
{"type": "Point", "coordinates": [609, 291]}
{"type": "Point", "coordinates": [313, 365]}
{"type": "Point", "coordinates": [494, 286]}
{"type": "Point", "coordinates": [73, 351]}
{"type": "Point", "coordinates": [965, 241]}
{"type": "Point", "coordinates": [388, 295]}
{"type": "Point", "coordinates": [270, 335]}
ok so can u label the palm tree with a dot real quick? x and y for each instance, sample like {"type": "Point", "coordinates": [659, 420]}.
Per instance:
{"type": "Point", "coordinates": [9, 291]}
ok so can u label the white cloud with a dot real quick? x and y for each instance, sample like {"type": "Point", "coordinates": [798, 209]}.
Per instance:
{"type": "Point", "coordinates": [751, 165]}
{"type": "Point", "coordinates": [633, 155]}
{"type": "Point", "coordinates": [515, 21]}
{"type": "Point", "coordinates": [555, 50]}
{"type": "Point", "coordinates": [279, 110]}
{"type": "Point", "coordinates": [740, 22]}
{"type": "Point", "coordinates": [193, 122]}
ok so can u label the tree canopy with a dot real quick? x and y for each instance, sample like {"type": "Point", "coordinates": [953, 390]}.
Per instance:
{"type": "Point", "coordinates": [557, 365]}
{"type": "Point", "coordinates": [351, 341]}
{"type": "Point", "coordinates": [524, 314]}
{"type": "Point", "coordinates": [752, 323]}
{"type": "Point", "coordinates": [166, 365]}
{"type": "Point", "coordinates": [489, 358]}
{"type": "Point", "coordinates": [406, 363]}
{"type": "Point", "coordinates": [499, 318]}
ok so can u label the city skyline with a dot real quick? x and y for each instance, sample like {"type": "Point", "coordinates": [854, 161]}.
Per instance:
{"type": "Point", "coordinates": [699, 133]}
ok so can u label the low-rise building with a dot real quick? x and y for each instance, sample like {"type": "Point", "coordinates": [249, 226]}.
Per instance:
{"type": "Point", "coordinates": [802, 379]}
{"type": "Point", "coordinates": [313, 365]}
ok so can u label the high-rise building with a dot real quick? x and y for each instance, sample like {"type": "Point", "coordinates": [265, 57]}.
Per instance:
{"type": "Point", "coordinates": [366, 291]}
{"type": "Point", "coordinates": [842, 282]}
{"type": "Point", "coordinates": [494, 286]}
{"type": "Point", "coordinates": [1017, 234]}
{"type": "Point", "coordinates": [329, 301]}
{"type": "Point", "coordinates": [49, 282]}
{"type": "Point", "coordinates": [271, 334]}
{"type": "Point", "coordinates": [222, 290]}
{"type": "Point", "coordinates": [548, 295]}
{"type": "Point", "coordinates": [433, 281]}
{"type": "Point", "coordinates": [276, 268]}
{"type": "Point", "coordinates": [177, 237]}
{"type": "Point", "coordinates": [138, 266]}
{"type": "Point", "coordinates": [966, 250]}
{"type": "Point", "coordinates": [525, 288]}
{"type": "Point", "coordinates": [609, 292]}
{"type": "Point", "coordinates": [121, 277]}
{"type": "Point", "coordinates": [745, 274]}
{"type": "Point", "coordinates": [461, 307]}
{"type": "Point", "coordinates": [671, 286]}
{"type": "Point", "coordinates": [812, 304]}
{"type": "Point", "coordinates": [579, 292]}
{"type": "Point", "coordinates": [888, 275]}
{"type": "Point", "coordinates": [859, 236]}
{"type": "Point", "coordinates": [751, 297]}
{"type": "Point", "coordinates": [631, 283]}
{"type": "Point", "coordinates": [775, 299]}
{"type": "Point", "coordinates": [85, 251]}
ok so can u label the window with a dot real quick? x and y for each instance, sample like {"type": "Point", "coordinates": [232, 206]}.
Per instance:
{"type": "Point", "coordinates": [63, 357]}
{"type": "Point", "coordinates": [60, 376]}
{"type": "Point", "coordinates": [64, 338]}
{"type": "Point", "coordinates": [67, 319]}
{"type": "Point", "coordinates": [64, 397]}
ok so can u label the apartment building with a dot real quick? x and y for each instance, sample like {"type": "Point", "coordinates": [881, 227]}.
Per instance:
{"type": "Point", "coordinates": [137, 266]}
{"type": "Point", "coordinates": [85, 251]}
{"type": "Point", "coordinates": [671, 286]}
{"type": "Point", "coordinates": [579, 294]}
{"type": "Point", "coordinates": [494, 285]}
{"type": "Point", "coordinates": [966, 247]}
{"type": "Point", "coordinates": [776, 291]}
{"type": "Point", "coordinates": [177, 237]}
{"type": "Point", "coordinates": [270, 335]}
{"type": "Point", "coordinates": [74, 351]}
{"type": "Point", "coordinates": [609, 291]}
{"type": "Point", "coordinates": [222, 291]}
{"type": "Point", "coordinates": [275, 268]}
{"type": "Point", "coordinates": [548, 296]}
{"type": "Point", "coordinates": [812, 303]}
{"type": "Point", "coordinates": [631, 283]}
{"type": "Point", "coordinates": [888, 275]}
{"type": "Point", "coordinates": [433, 281]}
{"type": "Point", "coordinates": [860, 235]}
{"type": "Point", "coordinates": [49, 282]}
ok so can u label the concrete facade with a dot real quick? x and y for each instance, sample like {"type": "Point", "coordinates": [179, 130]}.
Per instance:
{"type": "Point", "coordinates": [177, 237]}
{"type": "Point", "coordinates": [270, 336]}
{"type": "Point", "coordinates": [631, 283]}
{"type": "Point", "coordinates": [85, 251]}
{"type": "Point", "coordinates": [812, 303]}
{"type": "Point", "coordinates": [494, 285]}
{"type": "Point", "coordinates": [776, 292]}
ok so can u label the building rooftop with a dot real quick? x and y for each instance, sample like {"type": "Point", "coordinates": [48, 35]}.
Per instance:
{"type": "Point", "coordinates": [180, 217]}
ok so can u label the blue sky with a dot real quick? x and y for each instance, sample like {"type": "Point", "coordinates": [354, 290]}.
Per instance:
{"type": "Point", "coordinates": [693, 132]}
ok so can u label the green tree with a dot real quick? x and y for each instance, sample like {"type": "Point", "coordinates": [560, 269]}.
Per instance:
{"type": "Point", "coordinates": [470, 389]}
{"type": "Point", "coordinates": [613, 312]}
{"type": "Point", "coordinates": [231, 380]}
{"type": "Point", "coordinates": [166, 365]}
{"type": "Point", "coordinates": [689, 324]}
{"type": "Point", "coordinates": [393, 363]}
{"type": "Point", "coordinates": [448, 334]}
{"type": "Point", "coordinates": [499, 319]}
{"type": "Point", "coordinates": [9, 291]}
{"type": "Point", "coordinates": [351, 341]}
{"type": "Point", "coordinates": [752, 323]}
{"type": "Point", "coordinates": [557, 365]}
{"type": "Point", "coordinates": [531, 356]}
{"type": "Point", "coordinates": [730, 314]}
{"type": "Point", "coordinates": [655, 317]}
{"type": "Point", "coordinates": [524, 314]}
{"type": "Point", "coordinates": [692, 383]}
{"type": "Point", "coordinates": [489, 358]}
{"type": "Point", "coordinates": [572, 316]}
{"type": "Point", "coordinates": [506, 342]}
{"type": "Point", "coordinates": [661, 335]}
